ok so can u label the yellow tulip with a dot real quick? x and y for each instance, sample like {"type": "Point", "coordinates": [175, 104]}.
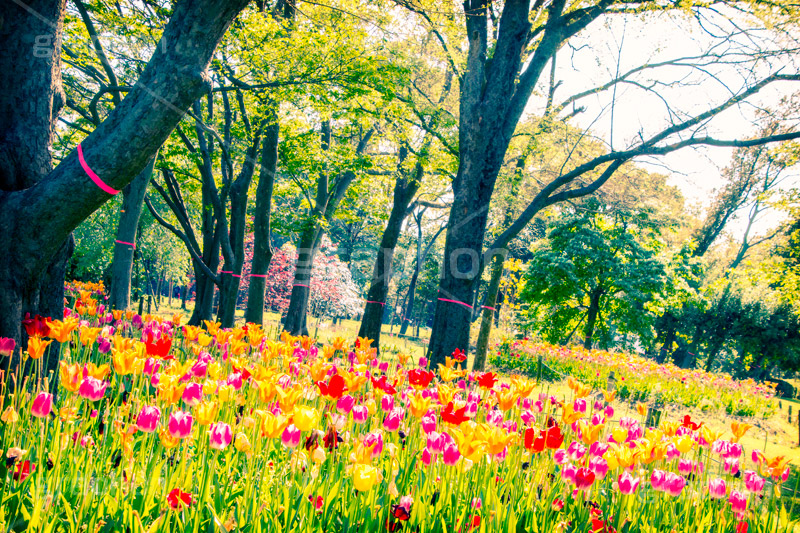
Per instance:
{"type": "Point", "coordinates": [70, 376]}
{"type": "Point", "coordinates": [272, 425]}
{"type": "Point", "coordinates": [305, 418]}
{"type": "Point", "coordinates": [205, 412]}
{"type": "Point", "coordinates": [242, 444]}
{"type": "Point", "coordinates": [739, 429]}
{"type": "Point", "coordinates": [364, 477]}
{"type": "Point", "coordinates": [418, 405]}
{"type": "Point", "coordinates": [123, 362]}
{"type": "Point", "coordinates": [684, 443]}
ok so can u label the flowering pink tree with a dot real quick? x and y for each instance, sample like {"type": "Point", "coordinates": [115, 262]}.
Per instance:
{"type": "Point", "coordinates": [333, 291]}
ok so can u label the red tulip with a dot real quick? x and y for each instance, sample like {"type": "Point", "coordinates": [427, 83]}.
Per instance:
{"type": "Point", "coordinates": [454, 417]}
{"type": "Point", "coordinates": [177, 498]}
{"type": "Point", "coordinates": [23, 470]}
{"type": "Point", "coordinates": [36, 326]}
{"type": "Point", "coordinates": [554, 438]}
{"type": "Point", "coordinates": [334, 388]}
{"type": "Point", "coordinates": [419, 378]}
{"type": "Point", "coordinates": [487, 380]}
{"type": "Point", "coordinates": [158, 347]}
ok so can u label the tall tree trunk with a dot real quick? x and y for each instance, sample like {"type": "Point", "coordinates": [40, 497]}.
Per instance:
{"type": "Point", "coordinates": [591, 316]}
{"type": "Point", "coordinates": [404, 190]}
{"type": "Point", "coordinates": [40, 205]}
{"type": "Point", "coordinates": [301, 286]}
{"type": "Point", "coordinates": [229, 288]}
{"type": "Point", "coordinates": [262, 233]}
{"type": "Point", "coordinates": [488, 313]}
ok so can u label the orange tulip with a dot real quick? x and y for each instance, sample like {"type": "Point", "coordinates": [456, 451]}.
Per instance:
{"type": "Point", "coordinates": [61, 330]}
{"type": "Point", "coordinates": [71, 376]}
{"type": "Point", "coordinates": [37, 346]}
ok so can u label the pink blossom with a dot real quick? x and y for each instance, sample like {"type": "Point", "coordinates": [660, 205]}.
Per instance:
{"type": "Point", "coordinates": [291, 436]}
{"type": "Point", "coordinates": [360, 414]}
{"type": "Point", "coordinates": [42, 405]}
{"type": "Point", "coordinates": [717, 488]}
{"type": "Point", "coordinates": [628, 484]}
{"type": "Point", "coordinates": [451, 455]}
{"type": "Point", "coordinates": [180, 424]}
{"type": "Point", "coordinates": [220, 435]}
{"type": "Point", "coordinates": [92, 389]}
{"type": "Point", "coordinates": [193, 394]}
{"type": "Point", "coordinates": [148, 418]}
{"type": "Point", "coordinates": [345, 404]}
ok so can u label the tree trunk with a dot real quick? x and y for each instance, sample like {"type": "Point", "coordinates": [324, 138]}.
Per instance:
{"type": "Point", "coordinates": [488, 313]}
{"type": "Point", "coordinates": [229, 288]}
{"type": "Point", "coordinates": [301, 287]}
{"type": "Point", "coordinates": [40, 205]}
{"type": "Point", "coordinates": [404, 190]}
{"type": "Point", "coordinates": [591, 316]}
{"type": "Point", "coordinates": [262, 233]}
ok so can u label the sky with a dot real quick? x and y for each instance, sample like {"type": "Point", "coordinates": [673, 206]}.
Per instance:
{"type": "Point", "coordinates": [592, 59]}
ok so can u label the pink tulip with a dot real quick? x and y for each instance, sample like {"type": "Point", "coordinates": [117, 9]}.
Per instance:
{"type": "Point", "coordinates": [180, 424]}
{"type": "Point", "coordinates": [360, 414]}
{"type": "Point", "coordinates": [494, 418]}
{"type": "Point", "coordinates": [428, 423]}
{"type": "Point", "coordinates": [427, 457]}
{"type": "Point", "coordinates": [392, 421]}
{"type": "Point", "coordinates": [576, 451]}
{"type": "Point", "coordinates": [560, 457]}
{"type": "Point", "coordinates": [471, 409]}
{"type": "Point", "coordinates": [42, 405]}
{"type": "Point", "coordinates": [291, 436]}
{"type": "Point", "coordinates": [717, 488]}
{"type": "Point", "coordinates": [568, 473]}
{"type": "Point", "coordinates": [753, 483]}
{"type": "Point", "coordinates": [598, 449]}
{"type": "Point", "coordinates": [92, 389]}
{"type": "Point", "coordinates": [235, 380]}
{"type": "Point", "coordinates": [423, 362]}
{"type": "Point", "coordinates": [609, 411]}
{"type": "Point", "coordinates": [738, 503]}
{"type": "Point", "coordinates": [599, 466]}
{"type": "Point", "coordinates": [405, 502]}
{"type": "Point", "coordinates": [579, 405]}
{"type": "Point", "coordinates": [148, 419]}
{"type": "Point", "coordinates": [477, 503]}
{"type": "Point", "coordinates": [657, 479]}
{"type": "Point", "coordinates": [731, 465]}
{"type": "Point", "coordinates": [527, 418]}
{"type": "Point", "coordinates": [199, 369]}
{"type": "Point", "coordinates": [220, 435]}
{"type": "Point", "coordinates": [672, 452]}
{"type": "Point", "coordinates": [193, 394]}
{"type": "Point", "coordinates": [628, 484]}
{"type": "Point", "coordinates": [345, 404]}
{"type": "Point", "coordinates": [436, 442]}
{"type": "Point", "coordinates": [374, 439]}
{"type": "Point", "coordinates": [7, 346]}
{"type": "Point", "coordinates": [451, 455]}
{"type": "Point", "coordinates": [387, 403]}
{"type": "Point", "coordinates": [151, 366]}
{"type": "Point", "coordinates": [673, 484]}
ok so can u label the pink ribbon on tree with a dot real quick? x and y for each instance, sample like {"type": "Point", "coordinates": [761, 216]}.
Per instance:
{"type": "Point", "coordinates": [132, 245]}
{"type": "Point", "coordinates": [371, 302]}
{"type": "Point", "coordinates": [94, 177]}
{"type": "Point", "coordinates": [489, 308]}
{"type": "Point", "coordinates": [258, 275]}
{"type": "Point", "coordinates": [454, 302]}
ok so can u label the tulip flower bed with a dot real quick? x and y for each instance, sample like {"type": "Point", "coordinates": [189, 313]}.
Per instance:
{"type": "Point", "coordinates": [158, 427]}
{"type": "Point", "coordinates": [640, 379]}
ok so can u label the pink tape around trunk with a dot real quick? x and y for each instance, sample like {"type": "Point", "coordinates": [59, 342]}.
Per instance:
{"type": "Point", "coordinates": [371, 302]}
{"type": "Point", "coordinates": [489, 308]}
{"type": "Point", "coordinates": [132, 245]}
{"type": "Point", "coordinates": [455, 302]}
{"type": "Point", "coordinates": [94, 177]}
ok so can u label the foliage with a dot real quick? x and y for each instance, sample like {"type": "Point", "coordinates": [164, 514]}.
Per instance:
{"type": "Point", "coordinates": [161, 428]}
{"type": "Point", "coordinates": [639, 379]}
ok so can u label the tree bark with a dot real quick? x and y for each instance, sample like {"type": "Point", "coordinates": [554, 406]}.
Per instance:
{"type": "Point", "coordinates": [488, 313]}
{"type": "Point", "coordinates": [295, 322]}
{"type": "Point", "coordinates": [41, 206]}
{"type": "Point", "coordinates": [262, 232]}
{"type": "Point", "coordinates": [405, 188]}
{"type": "Point", "coordinates": [591, 316]}
{"type": "Point", "coordinates": [229, 288]}
{"type": "Point", "coordinates": [122, 266]}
